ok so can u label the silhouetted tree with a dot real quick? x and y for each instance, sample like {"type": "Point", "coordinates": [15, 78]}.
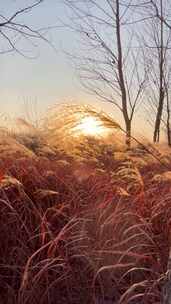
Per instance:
{"type": "Point", "coordinates": [157, 41]}
{"type": "Point", "coordinates": [110, 59]}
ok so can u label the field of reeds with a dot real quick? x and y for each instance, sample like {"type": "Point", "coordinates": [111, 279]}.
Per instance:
{"type": "Point", "coordinates": [83, 223]}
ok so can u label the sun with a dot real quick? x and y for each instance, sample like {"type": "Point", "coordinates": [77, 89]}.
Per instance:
{"type": "Point", "coordinates": [90, 126]}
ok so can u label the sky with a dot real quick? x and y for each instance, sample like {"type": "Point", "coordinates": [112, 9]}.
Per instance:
{"type": "Point", "coordinates": [50, 77]}
{"type": "Point", "coordinates": [47, 79]}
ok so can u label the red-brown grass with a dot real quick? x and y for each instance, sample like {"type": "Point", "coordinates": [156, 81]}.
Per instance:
{"type": "Point", "coordinates": [76, 230]}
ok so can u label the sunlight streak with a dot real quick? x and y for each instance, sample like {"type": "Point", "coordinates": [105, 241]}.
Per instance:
{"type": "Point", "coordinates": [90, 126]}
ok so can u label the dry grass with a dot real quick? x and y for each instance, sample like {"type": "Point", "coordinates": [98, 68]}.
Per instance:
{"type": "Point", "coordinates": [60, 126]}
{"type": "Point", "coordinates": [93, 228]}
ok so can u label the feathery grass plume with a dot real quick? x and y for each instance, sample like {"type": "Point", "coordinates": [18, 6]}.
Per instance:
{"type": "Point", "coordinates": [64, 124]}
{"type": "Point", "coordinates": [129, 177]}
{"type": "Point", "coordinates": [25, 133]}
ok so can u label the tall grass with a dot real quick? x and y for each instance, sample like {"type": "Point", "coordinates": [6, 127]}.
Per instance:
{"type": "Point", "coordinates": [93, 229]}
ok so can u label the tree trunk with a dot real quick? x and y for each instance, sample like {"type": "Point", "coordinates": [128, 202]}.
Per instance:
{"type": "Point", "coordinates": [156, 135]}
{"type": "Point", "coordinates": [169, 136]}
{"type": "Point", "coordinates": [168, 133]}
{"type": "Point", "coordinates": [121, 77]}
{"type": "Point", "coordinates": [128, 134]}
{"type": "Point", "coordinates": [168, 120]}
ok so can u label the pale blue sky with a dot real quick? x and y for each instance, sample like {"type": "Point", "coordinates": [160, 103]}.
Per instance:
{"type": "Point", "coordinates": [50, 78]}
{"type": "Point", "coordinates": [47, 79]}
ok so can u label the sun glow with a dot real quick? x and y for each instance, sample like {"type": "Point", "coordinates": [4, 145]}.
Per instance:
{"type": "Point", "coordinates": [90, 126]}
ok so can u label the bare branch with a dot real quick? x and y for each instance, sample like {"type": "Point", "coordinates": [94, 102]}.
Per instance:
{"type": "Point", "coordinates": [13, 31]}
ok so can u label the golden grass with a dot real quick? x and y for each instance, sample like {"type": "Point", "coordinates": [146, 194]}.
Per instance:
{"type": "Point", "coordinates": [92, 227]}
{"type": "Point", "coordinates": [62, 125]}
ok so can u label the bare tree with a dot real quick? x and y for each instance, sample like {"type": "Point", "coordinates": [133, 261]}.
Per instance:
{"type": "Point", "coordinates": [159, 14]}
{"type": "Point", "coordinates": [110, 54]}
{"type": "Point", "coordinates": [157, 42]}
{"type": "Point", "coordinates": [14, 32]}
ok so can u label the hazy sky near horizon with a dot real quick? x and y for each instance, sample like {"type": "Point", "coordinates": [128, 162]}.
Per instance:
{"type": "Point", "coordinates": [48, 79]}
